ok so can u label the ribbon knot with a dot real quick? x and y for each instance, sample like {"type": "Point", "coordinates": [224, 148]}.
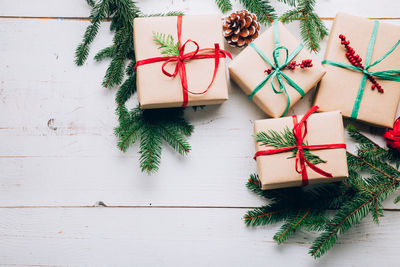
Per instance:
{"type": "Point", "coordinates": [276, 68]}
{"type": "Point", "coordinates": [301, 161]}
{"type": "Point", "coordinates": [180, 67]}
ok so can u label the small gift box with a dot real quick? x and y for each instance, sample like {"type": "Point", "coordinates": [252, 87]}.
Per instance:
{"type": "Point", "coordinates": [275, 71]}
{"type": "Point", "coordinates": [300, 150]}
{"type": "Point", "coordinates": [180, 61]}
{"type": "Point", "coordinates": [362, 63]}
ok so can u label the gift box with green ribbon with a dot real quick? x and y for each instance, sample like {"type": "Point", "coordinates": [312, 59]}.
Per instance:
{"type": "Point", "coordinates": [275, 71]}
{"type": "Point", "coordinates": [362, 61]}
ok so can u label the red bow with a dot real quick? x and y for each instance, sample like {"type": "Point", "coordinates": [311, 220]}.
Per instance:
{"type": "Point", "coordinates": [393, 136]}
{"type": "Point", "coordinates": [301, 160]}
{"type": "Point", "coordinates": [180, 62]}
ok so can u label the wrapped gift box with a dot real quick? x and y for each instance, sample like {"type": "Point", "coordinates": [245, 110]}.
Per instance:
{"type": "Point", "coordinates": [339, 87]}
{"type": "Point", "coordinates": [279, 170]}
{"type": "Point", "coordinates": [156, 90]}
{"type": "Point", "coordinates": [248, 70]}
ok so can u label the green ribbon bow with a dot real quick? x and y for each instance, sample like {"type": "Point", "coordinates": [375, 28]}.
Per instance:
{"type": "Point", "coordinates": [392, 75]}
{"type": "Point", "coordinates": [276, 69]}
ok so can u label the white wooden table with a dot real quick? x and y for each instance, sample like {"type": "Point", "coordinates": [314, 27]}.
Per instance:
{"type": "Point", "coordinates": [58, 160]}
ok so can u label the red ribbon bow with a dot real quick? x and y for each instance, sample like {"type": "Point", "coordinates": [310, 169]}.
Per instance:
{"type": "Point", "coordinates": [301, 160]}
{"type": "Point", "coordinates": [393, 136]}
{"type": "Point", "coordinates": [180, 62]}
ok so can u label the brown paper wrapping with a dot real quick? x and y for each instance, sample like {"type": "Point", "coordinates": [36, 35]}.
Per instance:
{"type": "Point", "coordinates": [279, 171]}
{"type": "Point", "coordinates": [339, 87]}
{"type": "Point", "coordinates": [247, 70]}
{"type": "Point", "coordinates": [156, 90]}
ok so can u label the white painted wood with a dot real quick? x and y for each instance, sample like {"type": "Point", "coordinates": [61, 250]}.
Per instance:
{"type": "Point", "coordinates": [57, 149]}
{"type": "Point", "coordinates": [78, 8]}
{"type": "Point", "coordinates": [176, 237]}
{"type": "Point", "coordinates": [57, 142]}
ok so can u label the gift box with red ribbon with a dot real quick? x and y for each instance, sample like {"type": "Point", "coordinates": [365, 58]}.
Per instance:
{"type": "Point", "coordinates": [300, 150]}
{"type": "Point", "coordinates": [194, 75]}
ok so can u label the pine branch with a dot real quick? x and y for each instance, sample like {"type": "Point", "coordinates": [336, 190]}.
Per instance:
{"type": "Point", "coordinates": [353, 199]}
{"type": "Point", "coordinates": [91, 3]}
{"type": "Point", "coordinates": [149, 127]}
{"type": "Point", "coordinates": [312, 28]}
{"type": "Point", "coordinates": [99, 12]}
{"type": "Point", "coordinates": [166, 44]}
{"type": "Point", "coordinates": [262, 8]}
{"type": "Point", "coordinates": [285, 139]}
{"type": "Point", "coordinates": [224, 5]}
{"type": "Point", "coordinates": [152, 127]}
{"type": "Point", "coordinates": [169, 13]}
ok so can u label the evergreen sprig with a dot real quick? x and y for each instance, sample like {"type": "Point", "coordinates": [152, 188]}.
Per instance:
{"type": "Point", "coordinates": [350, 200]}
{"type": "Point", "coordinates": [262, 8]}
{"type": "Point", "coordinates": [152, 127]}
{"type": "Point", "coordinates": [285, 139]}
{"type": "Point", "coordinates": [224, 5]}
{"type": "Point", "coordinates": [166, 44]}
{"type": "Point", "coordinates": [312, 28]}
{"type": "Point", "coordinates": [148, 127]}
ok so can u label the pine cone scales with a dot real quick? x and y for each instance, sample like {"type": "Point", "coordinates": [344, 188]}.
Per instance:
{"type": "Point", "coordinates": [241, 28]}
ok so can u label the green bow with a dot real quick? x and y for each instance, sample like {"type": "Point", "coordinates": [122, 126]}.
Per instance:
{"type": "Point", "coordinates": [276, 69]}
{"type": "Point", "coordinates": [392, 75]}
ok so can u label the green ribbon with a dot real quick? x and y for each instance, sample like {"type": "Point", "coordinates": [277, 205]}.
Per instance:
{"type": "Point", "coordinates": [392, 75]}
{"type": "Point", "coordinates": [276, 68]}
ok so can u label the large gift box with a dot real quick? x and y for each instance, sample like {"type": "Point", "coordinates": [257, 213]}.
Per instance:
{"type": "Point", "coordinates": [161, 78]}
{"type": "Point", "coordinates": [249, 71]}
{"type": "Point", "coordinates": [349, 88]}
{"type": "Point", "coordinates": [290, 165]}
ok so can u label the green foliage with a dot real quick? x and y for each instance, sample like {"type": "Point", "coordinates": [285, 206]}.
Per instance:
{"type": "Point", "coordinates": [285, 139]}
{"type": "Point", "coordinates": [312, 28]}
{"type": "Point", "coordinates": [224, 5]}
{"type": "Point", "coordinates": [166, 44]}
{"type": "Point", "coordinates": [148, 127]}
{"type": "Point", "coordinates": [262, 8]}
{"type": "Point", "coordinates": [169, 13]}
{"type": "Point", "coordinates": [152, 127]}
{"type": "Point", "coordinates": [350, 201]}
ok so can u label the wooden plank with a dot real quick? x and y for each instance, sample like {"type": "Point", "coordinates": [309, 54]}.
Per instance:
{"type": "Point", "coordinates": [56, 132]}
{"type": "Point", "coordinates": [79, 9]}
{"type": "Point", "coordinates": [175, 237]}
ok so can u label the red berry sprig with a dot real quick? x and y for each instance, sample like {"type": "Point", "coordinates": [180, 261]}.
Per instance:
{"type": "Point", "coordinates": [306, 63]}
{"type": "Point", "coordinates": [355, 60]}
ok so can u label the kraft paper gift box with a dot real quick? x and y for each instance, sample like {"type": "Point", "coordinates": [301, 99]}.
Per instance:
{"type": "Point", "coordinates": [279, 170]}
{"type": "Point", "coordinates": [339, 87]}
{"type": "Point", "coordinates": [155, 89]}
{"type": "Point", "coordinates": [248, 68]}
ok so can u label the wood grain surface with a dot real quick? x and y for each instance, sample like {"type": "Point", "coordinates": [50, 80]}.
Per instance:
{"type": "Point", "coordinates": [69, 197]}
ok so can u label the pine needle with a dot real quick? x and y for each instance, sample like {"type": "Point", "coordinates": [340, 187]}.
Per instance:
{"type": "Point", "coordinates": [150, 127]}
{"type": "Point", "coordinates": [372, 179]}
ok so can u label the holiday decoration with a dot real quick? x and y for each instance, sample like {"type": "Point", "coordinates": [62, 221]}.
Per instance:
{"type": "Point", "coordinates": [240, 28]}
{"type": "Point", "coordinates": [157, 84]}
{"type": "Point", "coordinates": [372, 50]}
{"type": "Point", "coordinates": [290, 158]}
{"type": "Point", "coordinates": [266, 71]}
{"type": "Point", "coordinates": [351, 200]}
{"type": "Point", "coordinates": [392, 136]}
{"type": "Point", "coordinates": [149, 127]}
{"type": "Point", "coordinates": [312, 29]}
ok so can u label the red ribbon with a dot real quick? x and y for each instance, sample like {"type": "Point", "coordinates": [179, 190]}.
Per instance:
{"type": "Point", "coordinates": [393, 136]}
{"type": "Point", "coordinates": [301, 161]}
{"type": "Point", "coordinates": [180, 62]}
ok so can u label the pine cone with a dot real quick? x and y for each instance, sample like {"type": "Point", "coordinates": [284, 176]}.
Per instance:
{"type": "Point", "coordinates": [241, 28]}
